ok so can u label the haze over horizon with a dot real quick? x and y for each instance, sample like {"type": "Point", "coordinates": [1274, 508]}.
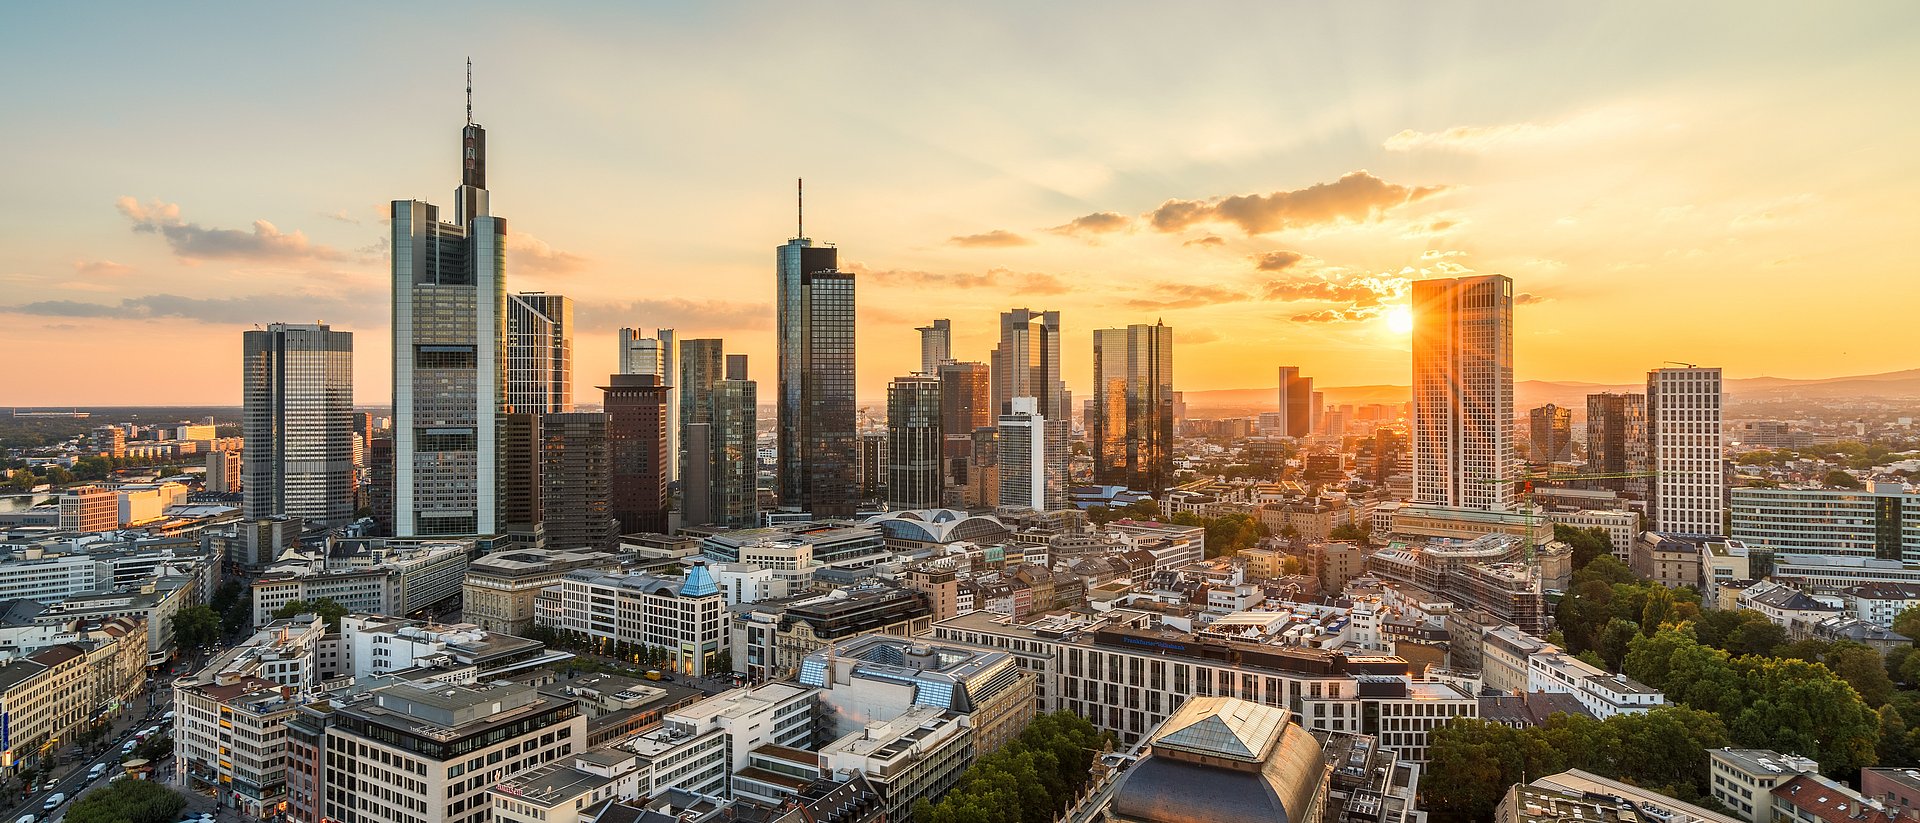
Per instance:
{"type": "Point", "coordinates": [1660, 182]}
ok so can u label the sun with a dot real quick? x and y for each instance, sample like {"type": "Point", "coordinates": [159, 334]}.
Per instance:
{"type": "Point", "coordinates": [1399, 319]}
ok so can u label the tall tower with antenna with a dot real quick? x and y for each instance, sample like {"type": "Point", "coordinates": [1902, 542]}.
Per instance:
{"type": "Point", "coordinates": [815, 329]}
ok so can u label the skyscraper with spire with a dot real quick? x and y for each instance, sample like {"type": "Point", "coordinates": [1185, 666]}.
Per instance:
{"type": "Point", "coordinates": [449, 355]}
{"type": "Point", "coordinates": [816, 423]}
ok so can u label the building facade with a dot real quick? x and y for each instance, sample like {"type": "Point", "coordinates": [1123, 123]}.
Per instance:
{"type": "Point", "coordinates": [1132, 425]}
{"type": "Point", "coordinates": [816, 425]}
{"type": "Point", "coordinates": [639, 448]}
{"type": "Point", "coordinates": [297, 424]}
{"type": "Point", "coordinates": [1549, 435]}
{"type": "Point", "coordinates": [576, 481]}
{"type": "Point", "coordinates": [1881, 521]}
{"type": "Point", "coordinates": [1296, 403]}
{"type": "Point", "coordinates": [539, 353]}
{"type": "Point", "coordinates": [1684, 442]}
{"type": "Point", "coordinates": [913, 442]}
{"type": "Point", "coordinates": [1032, 451]}
{"type": "Point", "coordinates": [656, 356]}
{"type": "Point", "coordinates": [936, 346]}
{"type": "Point", "coordinates": [1617, 442]}
{"type": "Point", "coordinates": [1463, 392]}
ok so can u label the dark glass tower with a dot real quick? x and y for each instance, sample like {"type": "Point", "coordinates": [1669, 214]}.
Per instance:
{"type": "Point", "coordinates": [913, 442]}
{"type": "Point", "coordinates": [299, 423]}
{"type": "Point", "coordinates": [816, 433]}
{"type": "Point", "coordinates": [1132, 424]}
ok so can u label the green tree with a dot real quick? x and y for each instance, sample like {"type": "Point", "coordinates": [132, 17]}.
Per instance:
{"type": "Point", "coordinates": [1604, 568]}
{"type": "Point", "coordinates": [1614, 641]}
{"type": "Point", "coordinates": [128, 801]}
{"type": "Point", "coordinates": [1470, 765]}
{"type": "Point", "coordinates": [1863, 669]}
{"type": "Point", "coordinates": [1838, 479]}
{"type": "Point", "coordinates": [326, 607]}
{"type": "Point", "coordinates": [1587, 544]}
{"type": "Point", "coordinates": [1803, 707]}
{"type": "Point", "coordinates": [195, 627]}
{"type": "Point", "coordinates": [1907, 622]}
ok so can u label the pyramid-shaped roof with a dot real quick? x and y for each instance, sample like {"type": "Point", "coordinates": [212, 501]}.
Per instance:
{"type": "Point", "coordinates": [1233, 729]}
{"type": "Point", "coordinates": [699, 582]}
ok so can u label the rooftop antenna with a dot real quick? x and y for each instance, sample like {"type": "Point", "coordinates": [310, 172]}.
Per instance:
{"type": "Point", "coordinates": [469, 91]}
{"type": "Point", "coordinates": [800, 207]}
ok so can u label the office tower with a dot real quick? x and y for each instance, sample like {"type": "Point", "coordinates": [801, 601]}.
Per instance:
{"type": "Point", "coordinates": [1617, 442]}
{"type": "Point", "coordinates": [576, 481]}
{"type": "Point", "coordinates": [298, 447]}
{"type": "Point", "coordinates": [1296, 402]}
{"type": "Point", "coordinates": [1027, 363]}
{"type": "Point", "coordinates": [380, 479]}
{"type": "Point", "coordinates": [983, 473]}
{"type": "Point", "coordinates": [696, 486]}
{"type": "Point", "coordinates": [223, 471]}
{"type": "Point", "coordinates": [1549, 434]}
{"type": "Point", "coordinates": [913, 442]}
{"type": "Point", "coordinates": [362, 423]}
{"type": "Point", "coordinates": [1683, 435]}
{"type": "Point", "coordinates": [657, 356]}
{"type": "Point", "coordinates": [521, 461]}
{"type": "Point", "coordinates": [1316, 413]}
{"type": "Point", "coordinates": [449, 350]}
{"type": "Point", "coordinates": [1132, 424]}
{"type": "Point", "coordinates": [1463, 392]}
{"type": "Point", "coordinates": [107, 441]}
{"type": "Point", "coordinates": [936, 345]}
{"type": "Point", "coordinates": [965, 405]}
{"type": "Point", "coordinates": [872, 466]}
{"type": "Point", "coordinates": [702, 361]}
{"type": "Point", "coordinates": [816, 440]}
{"type": "Point", "coordinates": [539, 353]}
{"type": "Point", "coordinates": [636, 407]}
{"type": "Point", "coordinates": [733, 471]}
{"type": "Point", "coordinates": [1032, 458]}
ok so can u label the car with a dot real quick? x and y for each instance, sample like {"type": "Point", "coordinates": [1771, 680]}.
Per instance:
{"type": "Point", "coordinates": [129, 747]}
{"type": "Point", "coordinates": [97, 770]}
{"type": "Point", "coordinates": [55, 801]}
{"type": "Point", "coordinates": [26, 818]}
{"type": "Point", "coordinates": [168, 716]}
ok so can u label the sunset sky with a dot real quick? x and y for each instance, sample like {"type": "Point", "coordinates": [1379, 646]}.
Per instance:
{"type": "Point", "coordinates": [1727, 184]}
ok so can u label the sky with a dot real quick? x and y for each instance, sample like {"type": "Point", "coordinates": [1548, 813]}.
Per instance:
{"type": "Point", "coordinates": [1726, 184]}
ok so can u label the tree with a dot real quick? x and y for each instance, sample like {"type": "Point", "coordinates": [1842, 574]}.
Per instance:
{"type": "Point", "coordinates": [128, 801]}
{"type": "Point", "coordinates": [326, 607]}
{"type": "Point", "coordinates": [195, 627]}
{"type": "Point", "coordinates": [1613, 642]}
{"type": "Point", "coordinates": [1838, 479]}
{"type": "Point", "coordinates": [1349, 532]}
{"type": "Point", "coordinates": [1907, 622]}
{"type": "Point", "coordinates": [1605, 569]}
{"type": "Point", "coordinates": [1587, 544]}
{"type": "Point", "coordinates": [1863, 669]}
{"type": "Point", "coordinates": [1470, 765]}
{"type": "Point", "coordinates": [1029, 780]}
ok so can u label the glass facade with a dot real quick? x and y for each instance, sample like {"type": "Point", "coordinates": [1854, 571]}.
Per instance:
{"type": "Point", "coordinates": [298, 423]}
{"type": "Point", "coordinates": [816, 434]}
{"type": "Point", "coordinates": [1132, 424]}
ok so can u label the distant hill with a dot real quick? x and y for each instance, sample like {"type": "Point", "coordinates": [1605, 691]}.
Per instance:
{"type": "Point", "coordinates": [1531, 393]}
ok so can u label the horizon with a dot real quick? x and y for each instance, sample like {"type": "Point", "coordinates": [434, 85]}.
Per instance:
{"type": "Point", "coordinates": [1651, 202]}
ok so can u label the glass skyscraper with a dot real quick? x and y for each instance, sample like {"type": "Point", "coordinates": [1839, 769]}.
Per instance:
{"type": "Point", "coordinates": [539, 353]}
{"type": "Point", "coordinates": [1132, 425]}
{"type": "Point", "coordinates": [449, 357]}
{"type": "Point", "coordinates": [816, 434]}
{"type": "Point", "coordinates": [913, 442]}
{"type": "Point", "coordinates": [1463, 392]}
{"type": "Point", "coordinates": [657, 356]}
{"type": "Point", "coordinates": [298, 423]}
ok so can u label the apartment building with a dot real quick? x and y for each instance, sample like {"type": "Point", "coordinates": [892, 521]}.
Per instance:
{"type": "Point", "coordinates": [230, 735]}
{"type": "Point", "coordinates": [1744, 779]}
{"type": "Point", "coordinates": [1603, 694]}
{"type": "Point", "coordinates": [499, 589]}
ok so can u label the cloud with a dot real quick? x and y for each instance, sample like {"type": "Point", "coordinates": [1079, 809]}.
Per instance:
{"type": "Point", "coordinates": [1355, 290]}
{"type": "Point", "coordinates": [1100, 222]}
{"type": "Point", "coordinates": [1208, 240]}
{"type": "Point", "coordinates": [531, 254]}
{"type": "Point", "coordinates": [1188, 296]}
{"type": "Point", "coordinates": [191, 241]}
{"type": "Point", "coordinates": [695, 317]}
{"type": "Point", "coordinates": [342, 216]}
{"type": "Point", "coordinates": [1357, 197]}
{"type": "Point", "coordinates": [996, 277]}
{"type": "Point", "coordinates": [244, 310]}
{"type": "Point", "coordinates": [1277, 260]}
{"type": "Point", "coordinates": [1197, 337]}
{"type": "Point", "coordinates": [1529, 298]}
{"type": "Point", "coordinates": [99, 268]}
{"type": "Point", "coordinates": [1585, 126]}
{"type": "Point", "coordinates": [1346, 315]}
{"type": "Point", "coordinates": [998, 238]}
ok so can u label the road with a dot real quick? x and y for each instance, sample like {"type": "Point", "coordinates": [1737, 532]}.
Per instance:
{"type": "Point", "coordinates": [71, 778]}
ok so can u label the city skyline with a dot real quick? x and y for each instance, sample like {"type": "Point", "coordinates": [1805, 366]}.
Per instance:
{"type": "Point", "coordinates": [1277, 218]}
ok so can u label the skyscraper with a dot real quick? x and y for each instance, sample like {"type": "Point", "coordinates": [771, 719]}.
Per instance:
{"type": "Point", "coordinates": [449, 357]}
{"type": "Point", "coordinates": [816, 438]}
{"type": "Point", "coordinates": [1032, 458]}
{"type": "Point", "coordinates": [872, 466]}
{"type": "Point", "coordinates": [1549, 434]}
{"type": "Point", "coordinates": [965, 406]}
{"type": "Point", "coordinates": [298, 423]}
{"type": "Point", "coordinates": [1132, 425]}
{"type": "Point", "coordinates": [1617, 441]}
{"type": "Point", "coordinates": [1463, 392]}
{"type": "Point", "coordinates": [636, 407]}
{"type": "Point", "coordinates": [733, 473]}
{"type": "Point", "coordinates": [657, 356]}
{"type": "Point", "coordinates": [576, 481]}
{"type": "Point", "coordinates": [702, 360]}
{"type": "Point", "coordinates": [539, 353]}
{"type": "Point", "coordinates": [521, 462]}
{"type": "Point", "coordinates": [1684, 440]}
{"type": "Point", "coordinates": [913, 442]}
{"type": "Point", "coordinates": [1296, 402]}
{"type": "Point", "coordinates": [936, 345]}
{"type": "Point", "coordinates": [1027, 363]}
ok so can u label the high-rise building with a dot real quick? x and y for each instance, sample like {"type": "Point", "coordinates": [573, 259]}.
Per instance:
{"type": "Point", "coordinates": [576, 481]}
{"type": "Point", "coordinates": [1132, 424]}
{"type": "Point", "coordinates": [449, 357]}
{"type": "Point", "coordinates": [936, 345]}
{"type": "Point", "coordinates": [1296, 403]}
{"type": "Point", "coordinates": [1550, 434]}
{"type": "Point", "coordinates": [733, 473]}
{"type": "Point", "coordinates": [223, 471]}
{"type": "Point", "coordinates": [1683, 431]}
{"type": "Point", "coordinates": [521, 465]}
{"type": "Point", "coordinates": [657, 356]}
{"type": "Point", "coordinates": [1463, 392]}
{"type": "Point", "coordinates": [298, 423]}
{"type": "Point", "coordinates": [1027, 363]}
{"type": "Point", "coordinates": [1617, 441]}
{"type": "Point", "coordinates": [872, 465]}
{"type": "Point", "coordinates": [913, 442]}
{"type": "Point", "coordinates": [636, 407]}
{"type": "Point", "coordinates": [1032, 458]}
{"type": "Point", "coordinates": [966, 405]}
{"type": "Point", "coordinates": [539, 353]}
{"type": "Point", "coordinates": [816, 423]}
{"type": "Point", "coordinates": [702, 361]}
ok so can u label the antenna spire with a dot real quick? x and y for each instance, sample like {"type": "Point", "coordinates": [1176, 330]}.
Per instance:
{"type": "Point", "coordinates": [469, 91]}
{"type": "Point", "coordinates": [800, 207]}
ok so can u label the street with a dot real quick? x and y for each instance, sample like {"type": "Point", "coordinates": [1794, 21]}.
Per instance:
{"type": "Point", "coordinates": [71, 778]}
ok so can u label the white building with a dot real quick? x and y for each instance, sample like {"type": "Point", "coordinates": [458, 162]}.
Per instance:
{"type": "Point", "coordinates": [368, 578]}
{"type": "Point", "coordinates": [1603, 694]}
{"type": "Point", "coordinates": [1881, 521]}
{"type": "Point", "coordinates": [1620, 526]}
{"type": "Point", "coordinates": [1463, 392]}
{"type": "Point", "coordinates": [1880, 603]}
{"type": "Point", "coordinates": [687, 617]}
{"type": "Point", "coordinates": [1684, 423]}
{"type": "Point", "coordinates": [229, 733]}
{"type": "Point", "coordinates": [1032, 458]}
{"type": "Point", "coordinates": [699, 747]}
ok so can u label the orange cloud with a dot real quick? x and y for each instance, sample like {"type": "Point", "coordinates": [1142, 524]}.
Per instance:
{"type": "Point", "coordinates": [1357, 197]}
